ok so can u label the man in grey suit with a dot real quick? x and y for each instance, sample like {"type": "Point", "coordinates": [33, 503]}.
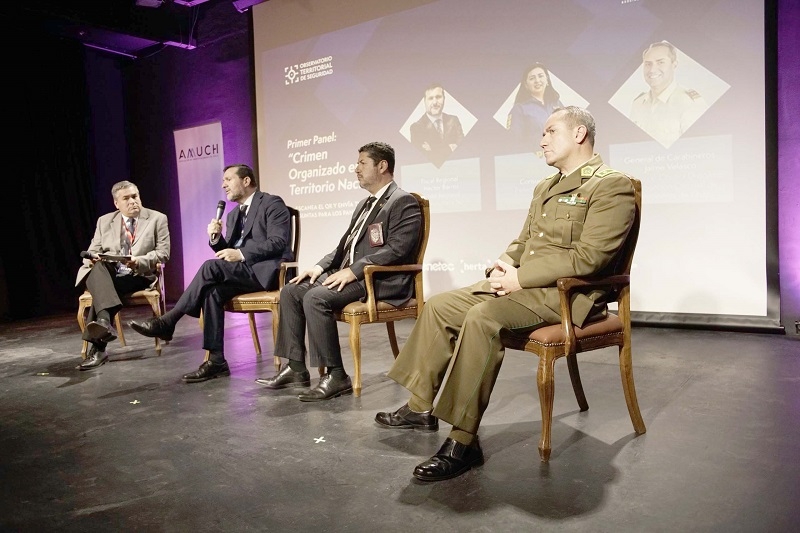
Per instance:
{"type": "Point", "coordinates": [247, 259]}
{"type": "Point", "coordinates": [385, 229]}
{"type": "Point", "coordinates": [578, 220]}
{"type": "Point", "coordinates": [133, 231]}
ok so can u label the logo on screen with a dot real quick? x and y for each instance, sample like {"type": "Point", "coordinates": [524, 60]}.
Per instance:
{"type": "Point", "coordinates": [291, 74]}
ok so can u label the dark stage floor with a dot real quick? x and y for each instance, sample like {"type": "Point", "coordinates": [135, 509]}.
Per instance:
{"type": "Point", "coordinates": [130, 447]}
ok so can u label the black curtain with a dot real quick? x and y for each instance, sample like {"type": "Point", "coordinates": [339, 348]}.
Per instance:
{"type": "Point", "coordinates": [49, 209]}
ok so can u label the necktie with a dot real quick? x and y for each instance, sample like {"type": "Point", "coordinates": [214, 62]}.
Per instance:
{"type": "Point", "coordinates": [355, 231]}
{"type": "Point", "coordinates": [439, 127]}
{"type": "Point", "coordinates": [130, 232]}
{"type": "Point", "coordinates": [127, 244]}
{"type": "Point", "coordinates": [240, 225]}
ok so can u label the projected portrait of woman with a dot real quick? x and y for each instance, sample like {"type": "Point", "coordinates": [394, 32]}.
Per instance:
{"type": "Point", "coordinates": [535, 101]}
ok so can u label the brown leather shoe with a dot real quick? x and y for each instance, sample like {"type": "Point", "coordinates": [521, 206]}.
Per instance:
{"type": "Point", "coordinates": [452, 460]}
{"type": "Point", "coordinates": [329, 387]}
{"type": "Point", "coordinates": [405, 418]}
{"type": "Point", "coordinates": [207, 370]}
{"type": "Point", "coordinates": [286, 378]}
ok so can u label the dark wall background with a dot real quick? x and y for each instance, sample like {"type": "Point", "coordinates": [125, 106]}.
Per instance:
{"type": "Point", "coordinates": [82, 120]}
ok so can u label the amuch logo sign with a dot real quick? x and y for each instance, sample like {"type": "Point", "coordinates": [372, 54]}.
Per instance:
{"type": "Point", "coordinates": [198, 152]}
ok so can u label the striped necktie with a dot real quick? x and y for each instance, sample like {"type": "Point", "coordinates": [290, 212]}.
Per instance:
{"type": "Point", "coordinates": [348, 244]}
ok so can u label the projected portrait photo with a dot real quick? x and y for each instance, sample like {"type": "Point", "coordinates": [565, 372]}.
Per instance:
{"type": "Point", "coordinates": [433, 131]}
{"type": "Point", "coordinates": [526, 109]}
{"type": "Point", "coordinates": [671, 93]}
{"type": "Point", "coordinates": [535, 101]}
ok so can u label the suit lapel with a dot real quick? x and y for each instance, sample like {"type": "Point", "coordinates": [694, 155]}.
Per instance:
{"type": "Point", "coordinates": [568, 183]}
{"type": "Point", "coordinates": [380, 203]}
{"type": "Point", "coordinates": [251, 212]}
{"type": "Point", "coordinates": [141, 225]}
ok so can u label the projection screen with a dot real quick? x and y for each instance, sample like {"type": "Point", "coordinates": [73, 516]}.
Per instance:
{"type": "Point", "coordinates": [332, 76]}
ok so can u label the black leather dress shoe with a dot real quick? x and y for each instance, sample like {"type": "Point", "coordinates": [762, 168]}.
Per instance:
{"type": "Point", "coordinates": [100, 331]}
{"type": "Point", "coordinates": [286, 378]}
{"type": "Point", "coordinates": [94, 359]}
{"type": "Point", "coordinates": [153, 327]}
{"type": "Point", "coordinates": [405, 418]}
{"type": "Point", "coordinates": [207, 370]}
{"type": "Point", "coordinates": [328, 387]}
{"type": "Point", "coordinates": [452, 460]}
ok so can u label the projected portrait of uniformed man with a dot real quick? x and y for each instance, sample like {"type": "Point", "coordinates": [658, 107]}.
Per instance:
{"type": "Point", "coordinates": [666, 109]}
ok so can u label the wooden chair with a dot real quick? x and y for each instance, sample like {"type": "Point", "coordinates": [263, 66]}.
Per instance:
{"type": "Point", "coordinates": [268, 301]}
{"type": "Point", "coordinates": [566, 340]}
{"type": "Point", "coordinates": [155, 297]}
{"type": "Point", "coordinates": [374, 311]}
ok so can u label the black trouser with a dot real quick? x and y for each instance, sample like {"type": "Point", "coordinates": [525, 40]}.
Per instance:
{"type": "Point", "coordinates": [107, 290]}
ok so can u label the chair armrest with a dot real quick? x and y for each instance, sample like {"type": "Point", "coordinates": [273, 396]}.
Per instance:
{"type": "Point", "coordinates": [369, 271]}
{"type": "Point", "coordinates": [282, 273]}
{"type": "Point", "coordinates": [566, 286]}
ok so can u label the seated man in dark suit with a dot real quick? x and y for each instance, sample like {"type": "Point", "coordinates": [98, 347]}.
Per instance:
{"type": "Point", "coordinates": [131, 230]}
{"type": "Point", "coordinates": [436, 132]}
{"type": "Point", "coordinates": [384, 230]}
{"type": "Point", "coordinates": [248, 259]}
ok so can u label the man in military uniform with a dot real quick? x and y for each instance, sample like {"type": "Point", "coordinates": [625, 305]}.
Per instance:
{"type": "Point", "coordinates": [577, 222]}
{"type": "Point", "coordinates": [667, 110]}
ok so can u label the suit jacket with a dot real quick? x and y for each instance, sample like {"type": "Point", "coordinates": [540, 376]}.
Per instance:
{"type": "Point", "coordinates": [423, 131]}
{"type": "Point", "coordinates": [574, 228]}
{"type": "Point", "coordinates": [266, 237]}
{"type": "Point", "coordinates": [150, 244]}
{"type": "Point", "coordinates": [400, 219]}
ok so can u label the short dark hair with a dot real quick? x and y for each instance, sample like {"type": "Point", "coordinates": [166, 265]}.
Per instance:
{"type": "Point", "coordinates": [121, 185]}
{"type": "Point", "coordinates": [379, 151]}
{"type": "Point", "coordinates": [576, 116]}
{"type": "Point", "coordinates": [433, 86]}
{"type": "Point", "coordinates": [244, 171]}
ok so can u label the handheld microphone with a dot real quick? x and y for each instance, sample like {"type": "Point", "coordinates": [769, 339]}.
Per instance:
{"type": "Point", "coordinates": [220, 210]}
{"type": "Point", "coordinates": [86, 255]}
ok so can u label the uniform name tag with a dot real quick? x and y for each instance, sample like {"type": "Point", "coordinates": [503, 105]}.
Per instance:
{"type": "Point", "coordinates": [375, 233]}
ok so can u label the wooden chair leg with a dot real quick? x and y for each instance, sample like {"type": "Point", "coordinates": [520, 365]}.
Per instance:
{"type": "Point", "coordinates": [251, 319]}
{"type": "Point", "coordinates": [546, 384]}
{"type": "Point", "coordinates": [120, 333]}
{"type": "Point", "coordinates": [276, 360]}
{"type": "Point", "coordinates": [82, 317]}
{"type": "Point", "coordinates": [355, 347]}
{"type": "Point", "coordinates": [392, 338]}
{"type": "Point", "coordinates": [82, 324]}
{"type": "Point", "coordinates": [577, 386]}
{"type": "Point", "coordinates": [626, 371]}
{"type": "Point", "coordinates": [155, 305]}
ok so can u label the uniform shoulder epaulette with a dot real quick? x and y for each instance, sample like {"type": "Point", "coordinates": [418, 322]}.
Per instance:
{"type": "Point", "coordinates": [605, 172]}
{"type": "Point", "coordinates": [694, 95]}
